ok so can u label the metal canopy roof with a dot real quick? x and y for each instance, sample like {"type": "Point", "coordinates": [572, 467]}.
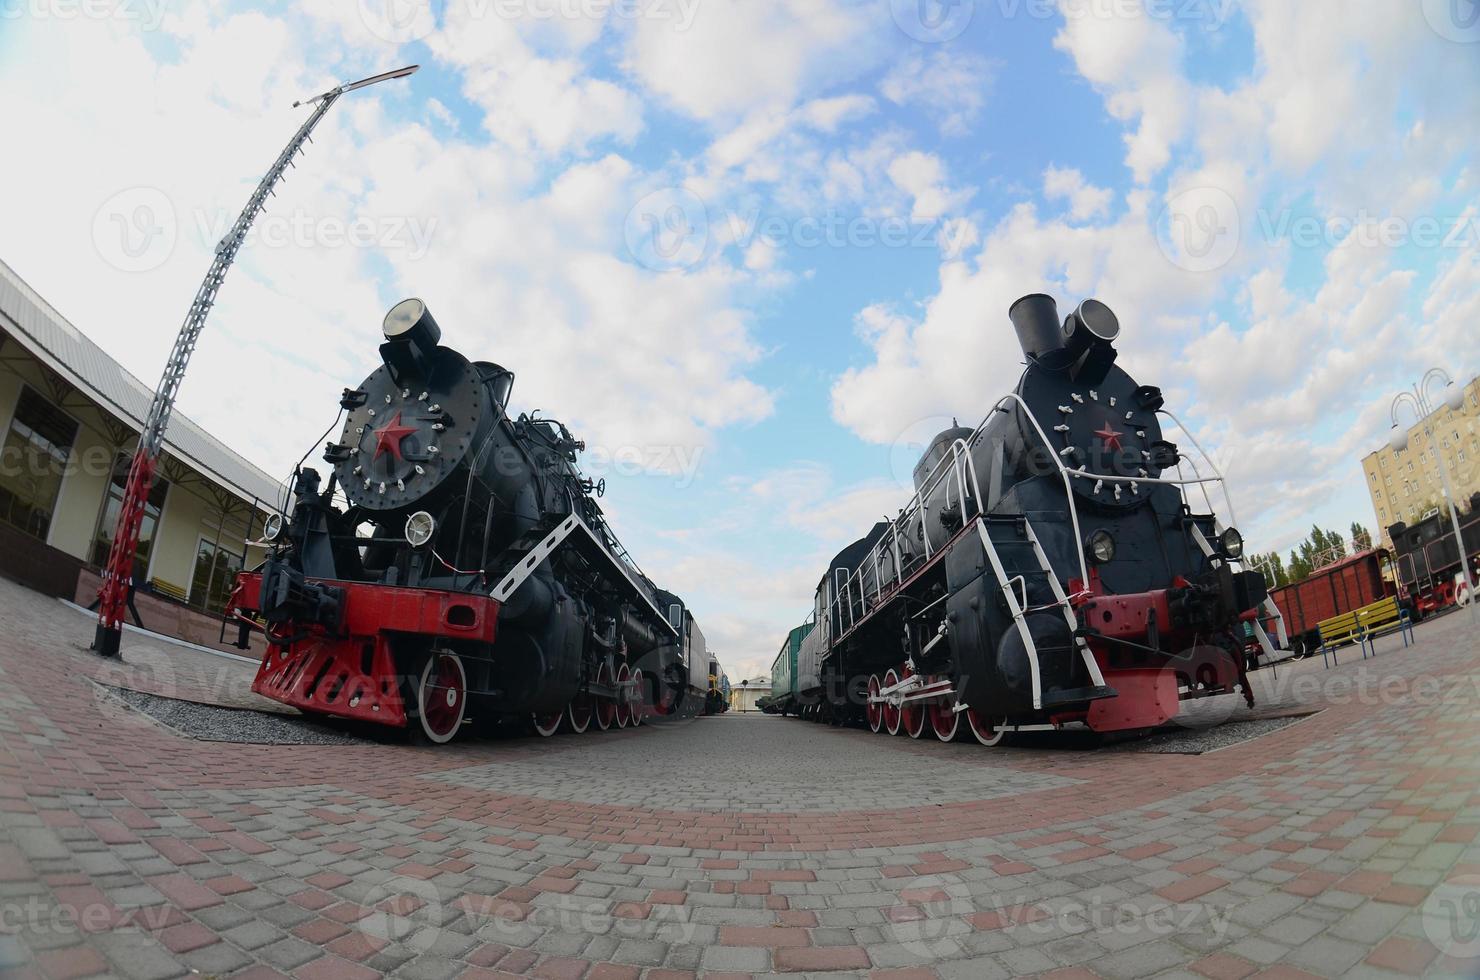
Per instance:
{"type": "Point", "coordinates": [37, 326]}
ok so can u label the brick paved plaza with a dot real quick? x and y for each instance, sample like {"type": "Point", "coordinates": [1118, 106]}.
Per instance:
{"type": "Point", "coordinates": [1340, 844]}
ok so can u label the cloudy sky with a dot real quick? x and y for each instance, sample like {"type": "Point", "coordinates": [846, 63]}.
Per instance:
{"type": "Point", "coordinates": [756, 252]}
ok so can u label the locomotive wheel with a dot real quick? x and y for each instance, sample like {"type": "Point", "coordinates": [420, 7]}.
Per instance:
{"type": "Point", "coordinates": [640, 704]}
{"type": "Point", "coordinates": [580, 713]}
{"type": "Point", "coordinates": [874, 711]}
{"type": "Point", "coordinates": [945, 721]}
{"type": "Point", "coordinates": [441, 696]}
{"type": "Point", "coordinates": [892, 714]}
{"type": "Point", "coordinates": [606, 708]}
{"type": "Point", "coordinates": [624, 707]}
{"type": "Point", "coordinates": [547, 724]}
{"type": "Point", "coordinates": [912, 714]}
{"type": "Point", "coordinates": [984, 731]}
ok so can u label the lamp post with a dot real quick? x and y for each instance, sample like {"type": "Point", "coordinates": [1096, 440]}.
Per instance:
{"type": "Point", "coordinates": [1418, 398]}
{"type": "Point", "coordinates": [116, 593]}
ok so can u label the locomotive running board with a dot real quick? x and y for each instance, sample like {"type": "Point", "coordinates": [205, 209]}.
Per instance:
{"type": "Point", "coordinates": [590, 546]}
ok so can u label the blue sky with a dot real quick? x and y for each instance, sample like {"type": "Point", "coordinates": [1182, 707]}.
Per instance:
{"type": "Point", "coordinates": [1219, 172]}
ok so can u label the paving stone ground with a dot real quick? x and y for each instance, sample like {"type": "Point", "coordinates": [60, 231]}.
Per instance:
{"type": "Point", "coordinates": [1341, 844]}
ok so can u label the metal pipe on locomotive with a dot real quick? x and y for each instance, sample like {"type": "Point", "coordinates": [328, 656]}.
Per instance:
{"type": "Point", "coordinates": [1049, 569]}
{"type": "Point", "coordinates": [489, 584]}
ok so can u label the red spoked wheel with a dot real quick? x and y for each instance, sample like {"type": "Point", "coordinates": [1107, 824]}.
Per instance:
{"type": "Point", "coordinates": [945, 720]}
{"type": "Point", "coordinates": [892, 714]}
{"type": "Point", "coordinates": [441, 696]}
{"type": "Point", "coordinates": [984, 731]}
{"type": "Point", "coordinates": [624, 706]}
{"type": "Point", "coordinates": [582, 709]}
{"type": "Point", "coordinates": [911, 713]}
{"type": "Point", "coordinates": [547, 723]}
{"type": "Point", "coordinates": [639, 701]}
{"type": "Point", "coordinates": [874, 710]}
{"type": "Point", "coordinates": [606, 708]}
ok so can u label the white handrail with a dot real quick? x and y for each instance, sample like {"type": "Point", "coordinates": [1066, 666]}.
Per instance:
{"type": "Point", "coordinates": [959, 462]}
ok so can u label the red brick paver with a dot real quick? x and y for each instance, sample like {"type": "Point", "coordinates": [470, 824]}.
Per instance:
{"type": "Point", "coordinates": [667, 852]}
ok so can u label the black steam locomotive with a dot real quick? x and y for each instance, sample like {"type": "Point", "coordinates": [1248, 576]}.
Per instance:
{"type": "Point", "coordinates": [1427, 557]}
{"type": "Point", "coordinates": [456, 565]}
{"type": "Point", "coordinates": [1050, 569]}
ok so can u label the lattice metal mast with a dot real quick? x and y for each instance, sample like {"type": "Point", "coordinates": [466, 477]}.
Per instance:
{"type": "Point", "coordinates": [118, 573]}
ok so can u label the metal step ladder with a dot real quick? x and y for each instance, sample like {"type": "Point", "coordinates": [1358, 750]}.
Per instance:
{"type": "Point", "coordinates": [1019, 608]}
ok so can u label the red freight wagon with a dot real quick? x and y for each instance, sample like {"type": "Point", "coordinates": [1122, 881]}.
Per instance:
{"type": "Point", "coordinates": [1330, 591]}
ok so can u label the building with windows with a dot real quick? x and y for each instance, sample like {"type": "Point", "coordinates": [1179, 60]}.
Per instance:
{"type": "Point", "coordinates": [744, 695]}
{"type": "Point", "coordinates": [70, 418]}
{"type": "Point", "coordinates": [1406, 485]}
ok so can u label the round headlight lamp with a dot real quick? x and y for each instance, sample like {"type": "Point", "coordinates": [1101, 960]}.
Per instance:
{"type": "Point", "coordinates": [1231, 544]}
{"type": "Point", "coordinates": [419, 529]}
{"type": "Point", "coordinates": [272, 528]}
{"type": "Point", "coordinates": [1100, 547]}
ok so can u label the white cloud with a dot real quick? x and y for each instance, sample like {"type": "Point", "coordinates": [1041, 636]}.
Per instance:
{"type": "Point", "coordinates": [1085, 199]}
{"type": "Point", "coordinates": [950, 88]}
{"type": "Point", "coordinates": [532, 103]}
{"type": "Point", "coordinates": [1135, 61]}
{"type": "Point", "coordinates": [923, 177]}
{"type": "Point", "coordinates": [739, 56]}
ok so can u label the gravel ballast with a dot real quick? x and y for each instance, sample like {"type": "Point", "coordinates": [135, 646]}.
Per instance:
{"type": "Point", "coordinates": [213, 724]}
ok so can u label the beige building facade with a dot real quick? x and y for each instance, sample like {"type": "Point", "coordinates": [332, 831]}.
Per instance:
{"type": "Point", "coordinates": [1405, 485]}
{"type": "Point", "coordinates": [70, 418]}
{"type": "Point", "coordinates": [743, 697]}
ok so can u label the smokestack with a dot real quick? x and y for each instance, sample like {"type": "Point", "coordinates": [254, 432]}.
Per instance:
{"type": "Point", "coordinates": [1089, 338]}
{"type": "Point", "coordinates": [1035, 317]}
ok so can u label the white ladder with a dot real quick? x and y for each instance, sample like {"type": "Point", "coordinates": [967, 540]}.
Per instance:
{"type": "Point", "coordinates": [1019, 609]}
{"type": "Point", "coordinates": [1062, 601]}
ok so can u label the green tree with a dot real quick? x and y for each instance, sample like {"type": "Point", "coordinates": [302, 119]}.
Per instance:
{"type": "Point", "coordinates": [1273, 567]}
{"type": "Point", "coordinates": [1322, 547]}
{"type": "Point", "coordinates": [1300, 566]}
{"type": "Point", "coordinates": [1361, 538]}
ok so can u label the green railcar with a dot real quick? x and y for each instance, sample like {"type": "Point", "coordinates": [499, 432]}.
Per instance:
{"type": "Point", "coordinates": [784, 699]}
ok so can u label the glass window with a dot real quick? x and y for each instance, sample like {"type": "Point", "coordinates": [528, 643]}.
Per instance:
{"type": "Point", "coordinates": [109, 522]}
{"type": "Point", "coordinates": [215, 573]}
{"type": "Point", "coordinates": [34, 460]}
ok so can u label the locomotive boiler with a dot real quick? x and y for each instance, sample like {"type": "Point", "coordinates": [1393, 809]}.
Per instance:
{"type": "Point", "coordinates": [1053, 566]}
{"type": "Point", "coordinates": [455, 564]}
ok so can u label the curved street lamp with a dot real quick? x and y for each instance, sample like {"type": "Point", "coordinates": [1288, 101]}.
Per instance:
{"type": "Point", "coordinates": [1418, 399]}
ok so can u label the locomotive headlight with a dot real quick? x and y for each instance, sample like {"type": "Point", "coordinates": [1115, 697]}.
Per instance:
{"type": "Point", "coordinates": [1100, 547]}
{"type": "Point", "coordinates": [419, 529]}
{"type": "Point", "coordinates": [1231, 543]}
{"type": "Point", "coordinates": [272, 528]}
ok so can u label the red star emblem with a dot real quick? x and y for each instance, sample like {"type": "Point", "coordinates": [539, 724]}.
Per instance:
{"type": "Point", "coordinates": [388, 439]}
{"type": "Point", "coordinates": [1109, 437]}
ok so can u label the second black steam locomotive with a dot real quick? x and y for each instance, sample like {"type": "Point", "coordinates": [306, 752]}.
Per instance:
{"type": "Point", "coordinates": [1053, 566]}
{"type": "Point", "coordinates": [456, 564]}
